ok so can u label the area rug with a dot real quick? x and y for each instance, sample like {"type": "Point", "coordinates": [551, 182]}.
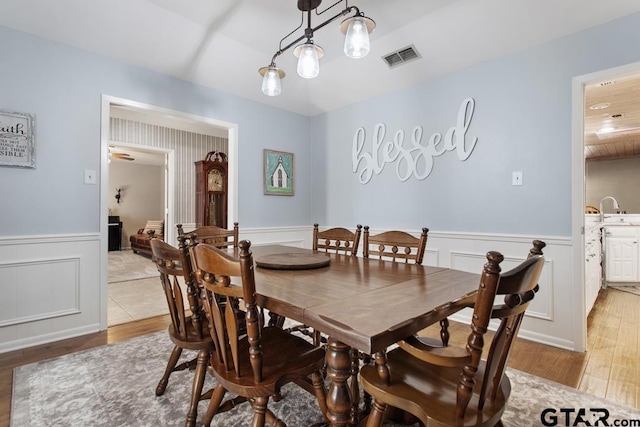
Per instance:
{"type": "Point", "coordinates": [126, 265]}
{"type": "Point", "coordinates": [631, 289]}
{"type": "Point", "coordinates": [114, 385]}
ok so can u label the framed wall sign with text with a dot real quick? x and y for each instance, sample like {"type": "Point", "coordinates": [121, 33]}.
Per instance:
{"type": "Point", "coordinates": [278, 173]}
{"type": "Point", "coordinates": [17, 144]}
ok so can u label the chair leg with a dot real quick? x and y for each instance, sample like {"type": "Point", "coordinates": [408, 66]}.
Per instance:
{"type": "Point", "coordinates": [444, 332]}
{"type": "Point", "coordinates": [274, 421]}
{"type": "Point", "coordinates": [259, 405]}
{"type": "Point", "coordinates": [355, 385]}
{"type": "Point", "coordinates": [196, 389]}
{"type": "Point", "coordinates": [320, 392]}
{"type": "Point", "coordinates": [171, 364]}
{"type": "Point", "coordinates": [214, 404]}
{"type": "Point", "coordinates": [377, 414]}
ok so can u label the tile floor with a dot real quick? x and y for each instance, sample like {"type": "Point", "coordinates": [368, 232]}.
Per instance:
{"type": "Point", "coordinates": [135, 300]}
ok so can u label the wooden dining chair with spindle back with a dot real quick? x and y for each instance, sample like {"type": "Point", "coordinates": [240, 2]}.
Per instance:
{"type": "Point", "coordinates": [395, 245]}
{"type": "Point", "coordinates": [252, 365]}
{"type": "Point", "coordinates": [213, 235]}
{"type": "Point", "coordinates": [189, 329]}
{"type": "Point", "coordinates": [337, 240]}
{"type": "Point", "coordinates": [453, 386]}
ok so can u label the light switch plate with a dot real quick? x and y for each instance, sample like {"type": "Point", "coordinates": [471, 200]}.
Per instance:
{"type": "Point", "coordinates": [516, 178]}
{"type": "Point", "coordinates": [89, 176]}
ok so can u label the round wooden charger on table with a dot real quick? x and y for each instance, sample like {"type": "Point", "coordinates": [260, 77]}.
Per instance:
{"type": "Point", "coordinates": [292, 261]}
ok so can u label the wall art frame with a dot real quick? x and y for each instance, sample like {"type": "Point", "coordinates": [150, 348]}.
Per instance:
{"type": "Point", "coordinates": [278, 173]}
{"type": "Point", "coordinates": [17, 139]}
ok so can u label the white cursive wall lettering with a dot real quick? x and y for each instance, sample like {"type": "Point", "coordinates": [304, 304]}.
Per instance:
{"type": "Point", "coordinates": [417, 159]}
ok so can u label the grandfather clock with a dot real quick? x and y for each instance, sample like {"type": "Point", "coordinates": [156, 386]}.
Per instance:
{"type": "Point", "coordinates": [211, 190]}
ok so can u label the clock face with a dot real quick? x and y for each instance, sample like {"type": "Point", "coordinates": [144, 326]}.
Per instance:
{"type": "Point", "coordinates": [215, 180]}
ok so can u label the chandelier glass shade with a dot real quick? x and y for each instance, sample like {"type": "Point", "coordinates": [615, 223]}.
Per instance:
{"type": "Point", "coordinates": [308, 59]}
{"type": "Point", "coordinates": [356, 44]}
{"type": "Point", "coordinates": [356, 40]}
{"type": "Point", "coordinates": [271, 80]}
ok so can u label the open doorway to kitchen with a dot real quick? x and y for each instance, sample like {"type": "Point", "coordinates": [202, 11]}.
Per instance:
{"type": "Point", "coordinates": [608, 323]}
{"type": "Point", "coordinates": [131, 128]}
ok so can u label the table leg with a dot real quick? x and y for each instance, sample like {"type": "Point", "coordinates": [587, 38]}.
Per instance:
{"type": "Point", "coordinates": [338, 371]}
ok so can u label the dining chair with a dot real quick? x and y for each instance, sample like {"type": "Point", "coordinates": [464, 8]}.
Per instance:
{"type": "Point", "coordinates": [188, 330]}
{"type": "Point", "coordinates": [254, 365]}
{"type": "Point", "coordinates": [337, 240]}
{"type": "Point", "coordinates": [213, 235]}
{"type": "Point", "coordinates": [438, 384]}
{"type": "Point", "coordinates": [395, 245]}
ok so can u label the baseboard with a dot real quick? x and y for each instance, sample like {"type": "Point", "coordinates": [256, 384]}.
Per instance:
{"type": "Point", "coordinates": [47, 338]}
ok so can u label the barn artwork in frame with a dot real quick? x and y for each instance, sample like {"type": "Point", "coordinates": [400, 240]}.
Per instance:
{"type": "Point", "coordinates": [278, 173]}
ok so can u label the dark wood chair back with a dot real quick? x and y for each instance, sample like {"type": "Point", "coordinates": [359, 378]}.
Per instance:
{"type": "Point", "coordinates": [250, 361]}
{"type": "Point", "coordinates": [337, 240]}
{"type": "Point", "coordinates": [214, 270]}
{"type": "Point", "coordinates": [174, 267]}
{"type": "Point", "coordinates": [213, 235]}
{"type": "Point", "coordinates": [436, 384]}
{"type": "Point", "coordinates": [395, 245]}
{"type": "Point", "coordinates": [518, 286]}
{"type": "Point", "coordinates": [189, 329]}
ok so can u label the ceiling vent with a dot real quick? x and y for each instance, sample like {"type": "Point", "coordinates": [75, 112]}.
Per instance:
{"type": "Point", "coordinates": [401, 56]}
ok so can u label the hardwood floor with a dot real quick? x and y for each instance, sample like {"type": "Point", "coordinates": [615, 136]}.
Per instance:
{"type": "Point", "coordinates": [608, 369]}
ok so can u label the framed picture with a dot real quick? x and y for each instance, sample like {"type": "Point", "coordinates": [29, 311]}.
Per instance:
{"type": "Point", "coordinates": [17, 147]}
{"type": "Point", "coordinates": [278, 173]}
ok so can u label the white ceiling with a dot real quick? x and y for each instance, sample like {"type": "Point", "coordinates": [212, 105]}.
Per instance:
{"type": "Point", "coordinates": [222, 43]}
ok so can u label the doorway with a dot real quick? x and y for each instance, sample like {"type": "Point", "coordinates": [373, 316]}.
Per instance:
{"type": "Point", "coordinates": [160, 117]}
{"type": "Point", "coordinates": [139, 175]}
{"type": "Point", "coordinates": [579, 188]}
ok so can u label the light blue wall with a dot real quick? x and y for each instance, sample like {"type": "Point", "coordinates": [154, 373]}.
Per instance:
{"type": "Point", "coordinates": [522, 120]}
{"type": "Point", "coordinates": [63, 86]}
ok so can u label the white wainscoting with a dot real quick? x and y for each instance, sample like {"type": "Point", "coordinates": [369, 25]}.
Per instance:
{"type": "Point", "coordinates": [51, 284]}
{"type": "Point", "coordinates": [50, 288]}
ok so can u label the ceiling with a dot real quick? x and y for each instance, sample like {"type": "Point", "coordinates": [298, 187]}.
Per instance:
{"type": "Point", "coordinates": [138, 155]}
{"type": "Point", "coordinates": [612, 119]}
{"type": "Point", "coordinates": [222, 43]}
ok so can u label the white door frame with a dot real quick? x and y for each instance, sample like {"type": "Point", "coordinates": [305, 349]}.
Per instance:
{"type": "Point", "coordinates": [232, 204]}
{"type": "Point", "coordinates": [578, 192]}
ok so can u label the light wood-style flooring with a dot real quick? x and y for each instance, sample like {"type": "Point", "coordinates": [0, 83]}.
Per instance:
{"type": "Point", "coordinates": [608, 369]}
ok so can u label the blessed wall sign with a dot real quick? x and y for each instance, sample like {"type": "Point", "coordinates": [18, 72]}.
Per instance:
{"type": "Point", "coordinates": [17, 139]}
{"type": "Point", "coordinates": [414, 158]}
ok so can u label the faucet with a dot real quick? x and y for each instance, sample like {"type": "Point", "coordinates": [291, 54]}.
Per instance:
{"type": "Point", "coordinates": [616, 206]}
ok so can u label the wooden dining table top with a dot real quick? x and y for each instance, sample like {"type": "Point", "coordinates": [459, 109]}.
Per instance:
{"type": "Point", "coordinates": [365, 303]}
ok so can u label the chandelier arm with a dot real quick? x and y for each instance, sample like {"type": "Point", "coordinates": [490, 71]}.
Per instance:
{"type": "Point", "coordinates": [294, 30]}
{"type": "Point", "coordinates": [299, 39]}
{"type": "Point", "coordinates": [332, 6]}
{"type": "Point", "coordinates": [330, 20]}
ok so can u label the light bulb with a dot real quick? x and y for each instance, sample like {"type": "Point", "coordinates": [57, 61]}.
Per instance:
{"type": "Point", "coordinates": [356, 42]}
{"type": "Point", "coordinates": [308, 64]}
{"type": "Point", "coordinates": [271, 82]}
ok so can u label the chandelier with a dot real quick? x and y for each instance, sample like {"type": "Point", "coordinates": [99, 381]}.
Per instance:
{"type": "Point", "coordinates": [356, 43]}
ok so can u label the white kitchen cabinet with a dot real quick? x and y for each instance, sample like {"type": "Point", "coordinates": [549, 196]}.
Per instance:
{"type": "Point", "coordinates": [593, 266]}
{"type": "Point", "coordinates": [621, 254]}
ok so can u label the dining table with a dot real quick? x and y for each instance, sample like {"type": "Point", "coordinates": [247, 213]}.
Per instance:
{"type": "Point", "coordinates": [361, 304]}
